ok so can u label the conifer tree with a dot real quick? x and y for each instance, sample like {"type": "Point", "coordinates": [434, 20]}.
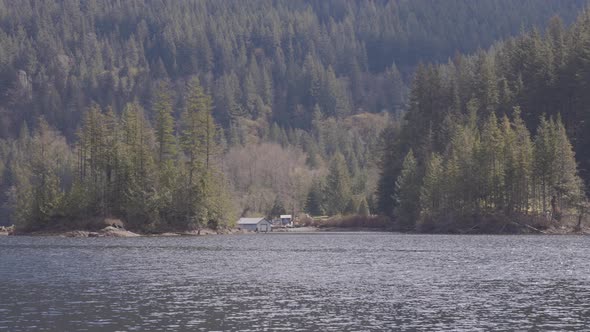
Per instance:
{"type": "Point", "coordinates": [277, 208]}
{"type": "Point", "coordinates": [314, 204]}
{"type": "Point", "coordinates": [47, 194]}
{"type": "Point", "coordinates": [487, 86]}
{"type": "Point", "coordinates": [431, 193]}
{"type": "Point", "coordinates": [112, 193]}
{"type": "Point", "coordinates": [569, 186]}
{"type": "Point", "coordinates": [392, 152]}
{"type": "Point", "coordinates": [199, 145]}
{"type": "Point", "coordinates": [351, 207]}
{"type": "Point", "coordinates": [139, 168]}
{"type": "Point", "coordinates": [363, 209]}
{"type": "Point", "coordinates": [524, 163]}
{"type": "Point", "coordinates": [198, 129]}
{"type": "Point", "coordinates": [544, 162]}
{"type": "Point", "coordinates": [338, 186]}
{"type": "Point", "coordinates": [408, 193]}
{"type": "Point", "coordinates": [138, 139]}
{"type": "Point", "coordinates": [491, 164]}
{"type": "Point", "coordinates": [164, 127]}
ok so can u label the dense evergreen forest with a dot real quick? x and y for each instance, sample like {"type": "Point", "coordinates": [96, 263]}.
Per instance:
{"type": "Point", "coordinates": [492, 133]}
{"type": "Point", "coordinates": [271, 60]}
{"type": "Point", "coordinates": [172, 114]}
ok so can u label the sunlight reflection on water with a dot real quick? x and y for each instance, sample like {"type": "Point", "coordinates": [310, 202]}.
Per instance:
{"type": "Point", "coordinates": [295, 282]}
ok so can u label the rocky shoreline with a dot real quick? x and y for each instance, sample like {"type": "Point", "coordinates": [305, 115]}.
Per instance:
{"type": "Point", "coordinates": [4, 231]}
{"type": "Point", "coordinates": [111, 231]}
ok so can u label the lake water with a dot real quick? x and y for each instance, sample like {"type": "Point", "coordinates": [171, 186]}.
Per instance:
{"type": "Point", "coordinates": [295, 282]}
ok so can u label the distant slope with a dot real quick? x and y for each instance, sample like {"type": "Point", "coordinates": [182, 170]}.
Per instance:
{"type": "Point", "coordinates": [270, 60]}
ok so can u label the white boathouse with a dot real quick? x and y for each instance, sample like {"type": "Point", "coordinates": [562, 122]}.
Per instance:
{"type": "Point", "coordinates": [255, 224]}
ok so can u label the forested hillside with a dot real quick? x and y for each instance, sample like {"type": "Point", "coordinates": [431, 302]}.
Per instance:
{"type": "Point", "coordinates": [300, 92]}
{"type": "Point", "coordinates": [492, 133]}
{"type": "Point", "coordinates": [270, 60]}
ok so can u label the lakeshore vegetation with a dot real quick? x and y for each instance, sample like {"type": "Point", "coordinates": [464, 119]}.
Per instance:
{"type": "Point", "coordinates": [175, 115]}
{"type": "Point", "coordinates": [491, 133]}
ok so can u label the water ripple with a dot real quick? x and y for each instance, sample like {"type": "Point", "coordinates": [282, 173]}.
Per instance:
{"type": "Point", "coordinates": [283, 282]}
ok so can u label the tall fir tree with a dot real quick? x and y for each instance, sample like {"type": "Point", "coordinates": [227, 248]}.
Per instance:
{"type": "Point", "coordinates": [408, 193]}
{"type": "Point", "coordinates": [338, 186]}
{"type": "Point", "coordinates": [164, 123]}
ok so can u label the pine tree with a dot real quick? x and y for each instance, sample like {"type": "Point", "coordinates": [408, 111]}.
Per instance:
{"type": "Point", "coordinates": [164, 127]}
{"type": "Point", "coordinates": [544, 162]}
{"type": "Point", "coordinates": [138, 169]}
{"type": "Point", "coordinates": [519, 163]}
{"type": "Point", "coordinates": [138, 138]}
{"type": "Point", "coordinates": [112, 193]}
{"type": "Point", "coordinates": [363, 209]}
{"type": "Point", "coordinates": [408, 193]}
{"type": "Point", "coordinates": [463, 175]}
{"type": "Point", "coordinates": [197, 103]}
{"type": "Point", "coordinates": [431, 193]}
{"type": "Point", "coordinates": [199, 145]}
{"type": "Point", "coordinates": [314, 204]}
{"type": "Point", "coordinates": [338, 186]}
{"type": "Point", "coordinates": [191, 142]}
{"type": "Point", "coordinates": [487, 86]}
{"type": "Point", "coordinates": [351, 207]}
{"type": "Point", "coordinates": [491, 164]}
{"type": "Point", "coordinates": [569, 186]}
{"type": "Point", "coordinates": [278, 208]}
{"type": "Point", "coordinates": [46, 194]}
{"type": "Point", "coordinates": [392, 148]}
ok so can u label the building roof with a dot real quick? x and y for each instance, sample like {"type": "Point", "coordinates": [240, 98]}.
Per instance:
{"type": "Point", "coordinates": [286, 216]}
{"type": "Point", "coordinates": [250, 221]}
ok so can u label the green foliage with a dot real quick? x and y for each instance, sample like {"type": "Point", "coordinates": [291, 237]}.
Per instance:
{"type": "Point", "coordinates": [164, 124]}
{"type": "Point", "coordinates": [199, 145]}
{"type": "Point", "coordinates": [431, 194]}
{"type": "Point", "coordinates": [115, 174]}
{"type": "Point", "coordinates": [475, 164]}
{"type": "Point", "coordinates": [391, 157]}
{"type": "Point", "coordinates": [504, 172]}
{"type": "Point", "coordinates": [363, 209]}
{"type": "Point", "coordinates": [352, 207]}
{"type": "Point", "coordinates": [277, 209]}
{"type": "Point", "coordinates": [315, 199]}
{"type": "Point", "coordinates": [261, 60]}
{"type": "Point", "coordinates": [305, 75]}
{"type": "Point", "coordinates": [37, 194]}
{"type": "Point", "coordinates": [338, 186]}
{"type": "Point", "coordinates": [555, 169]}
{"type": "Point", "coordinates": [490, 163]}
{"type": "Point", "coordinates": [408, 192]}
